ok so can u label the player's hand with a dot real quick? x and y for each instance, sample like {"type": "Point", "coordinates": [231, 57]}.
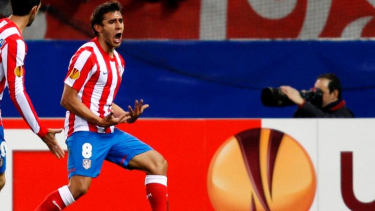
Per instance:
{"type": "Point", "coordinates": [292, 94]}
{"type": "Point", "coordinates": [138, 110]}
{"type": "Point", "coordinates": [110, 119]}
{"type": "Point", "coordinates": [51, 142]}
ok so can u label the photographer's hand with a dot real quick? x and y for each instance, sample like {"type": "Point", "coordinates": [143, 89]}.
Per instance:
{"type": "Point", "coordinates": [292, 94]}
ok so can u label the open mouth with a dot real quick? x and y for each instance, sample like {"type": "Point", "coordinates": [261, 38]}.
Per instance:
{"type": "Point", "coordinates": [118, 38]}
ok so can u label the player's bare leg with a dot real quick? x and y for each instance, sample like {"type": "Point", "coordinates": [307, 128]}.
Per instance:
{"type": "Point", "coordinates": [151, 162]}
{"type": "Point", "coordinates": [2, 180]}
{"type": "Point", "coordinates": [79, 185]}
{"type": "Point", "coordinates": [155, 166]}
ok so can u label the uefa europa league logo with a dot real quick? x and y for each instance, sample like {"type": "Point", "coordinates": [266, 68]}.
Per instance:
{"type": "Point", "coordinates": [261, 170]}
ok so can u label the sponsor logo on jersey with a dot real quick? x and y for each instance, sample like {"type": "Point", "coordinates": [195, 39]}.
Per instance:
{"type": "Point", "coordinates": [86, 163]}
{"type": "Point", "coordinates": [74, 74]}
{"type": "Point", "coordinates": [19, 71]}
{"type": "Point", "coordinates": [2, 41]}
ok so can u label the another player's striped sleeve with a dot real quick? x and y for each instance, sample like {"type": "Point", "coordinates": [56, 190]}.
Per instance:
{"type": "Point", "coordinates": [13, 55]}
{"type": "Point", "coordinates": [80, 69]}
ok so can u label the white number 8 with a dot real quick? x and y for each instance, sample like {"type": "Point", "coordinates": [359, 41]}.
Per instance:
{"type": "Point", "coordinates": [3, 148]}
{"type": "Point", "coordinates": [87, 150]}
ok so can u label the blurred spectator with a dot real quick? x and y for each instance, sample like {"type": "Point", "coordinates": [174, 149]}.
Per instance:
{"type": "Point", "coordinates": [5, 9]}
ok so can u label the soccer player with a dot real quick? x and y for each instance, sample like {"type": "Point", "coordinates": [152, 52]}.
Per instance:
{"type": "Point", "coordinates": [12, 74]}
{"type": "Point", "coordinates": [94, 75]}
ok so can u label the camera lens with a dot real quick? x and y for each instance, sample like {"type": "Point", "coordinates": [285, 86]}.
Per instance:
{"type": "Point", "coordinates": [274, 97]}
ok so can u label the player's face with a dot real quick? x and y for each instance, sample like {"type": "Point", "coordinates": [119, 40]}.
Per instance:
{"type": "Point", "coordinates": [34, 12]}
{"type": "Point", "coordinates": [112, 29]}
{"type": "Point", "coordinates": [328, 98]}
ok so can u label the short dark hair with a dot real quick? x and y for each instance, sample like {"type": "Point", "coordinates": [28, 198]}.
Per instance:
{"type": "Point", "coordinates": [97, 15]}
{"type": "Point", "coordinates": [334, 83]}
{"type": "Point", "coordinates": [23, 7]}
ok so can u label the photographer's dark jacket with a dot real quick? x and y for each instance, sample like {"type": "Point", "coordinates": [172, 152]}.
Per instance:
{"type": "Point", "coordinates": [333, 110]}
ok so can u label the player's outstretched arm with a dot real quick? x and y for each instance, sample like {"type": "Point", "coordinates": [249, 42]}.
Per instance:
{"type": "Point", "coordinates": [15, 80]}
{"type": "Point", "coordinates": [51, 142]}
{"type": "Point", "coordinates": [139, 107]}
{"type": "Point", "coordinates": [119, 112]}
{"type": "Point", "coordinates": [71, 102]}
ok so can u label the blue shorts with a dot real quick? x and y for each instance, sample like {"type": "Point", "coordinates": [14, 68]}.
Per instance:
{"type": "Point", "coordinates": [88, 150]}
{"type": "Point", "coordinates": [3, 151]}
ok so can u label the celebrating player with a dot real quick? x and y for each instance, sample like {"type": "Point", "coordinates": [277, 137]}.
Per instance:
{"type": "Point", "coordinates": [12, 55]}
{"type": "Point", "coordinates": [94, 76]}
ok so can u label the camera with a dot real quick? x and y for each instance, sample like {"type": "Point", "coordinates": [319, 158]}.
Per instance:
{"type": "Point", "coordinates": [274, 97]}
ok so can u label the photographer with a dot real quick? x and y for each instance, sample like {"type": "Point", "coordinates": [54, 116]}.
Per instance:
{"type": "Point", "coordinates": [333, 106]}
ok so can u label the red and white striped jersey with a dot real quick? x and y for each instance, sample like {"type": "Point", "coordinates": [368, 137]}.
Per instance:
{"type": "Point", "coordinates": [96, 77]}
{"type": "Point", "coordinates": [12, 55]}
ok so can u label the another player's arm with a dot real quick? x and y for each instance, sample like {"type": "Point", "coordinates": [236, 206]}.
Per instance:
{"type": "Point", "coordinates": [71, 102]}
{"type": "Point", "coordinates": [15, 79]}
{"type": "Point", "coordinates": [133, 114]}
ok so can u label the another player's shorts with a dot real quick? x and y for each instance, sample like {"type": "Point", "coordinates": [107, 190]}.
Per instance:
{"type": "Point", "coordinates": [88, 150]}
{"type": "Point", "coordinates": [3, 151]}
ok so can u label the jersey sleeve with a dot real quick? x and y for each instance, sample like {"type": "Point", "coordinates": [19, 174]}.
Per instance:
{"type": "Point", "coordinates": [82, 65]}
{"type": "Point", "coordinates": [14, 55]}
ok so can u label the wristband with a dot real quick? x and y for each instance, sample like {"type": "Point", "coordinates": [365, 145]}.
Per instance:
{"type": "Point", "coordinates": [42, 132]}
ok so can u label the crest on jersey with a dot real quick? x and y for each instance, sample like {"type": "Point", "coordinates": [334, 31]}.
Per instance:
{"type": "Point", "coordinates": [19, 71]}
{"type": "Point", "coordinates": [74, 74]}
{"type": "Point", "coordinates": [86, 163]}
{"type": "Point", "coordinates": [120, 70]}
{"type": "Point", "coordinates": [2, 41]}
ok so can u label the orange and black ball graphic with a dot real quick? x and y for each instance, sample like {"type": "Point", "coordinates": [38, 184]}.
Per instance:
{"type": "Point", "coordinates": [18, 71]}
{"type": "Point", "coordinates": [74, 74]}
{"type": "Point", "coordinates": [261, 170]}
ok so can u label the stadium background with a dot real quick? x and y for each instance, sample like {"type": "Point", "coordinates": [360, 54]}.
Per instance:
{"type": "Point", "coordinates": [208, 59]}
